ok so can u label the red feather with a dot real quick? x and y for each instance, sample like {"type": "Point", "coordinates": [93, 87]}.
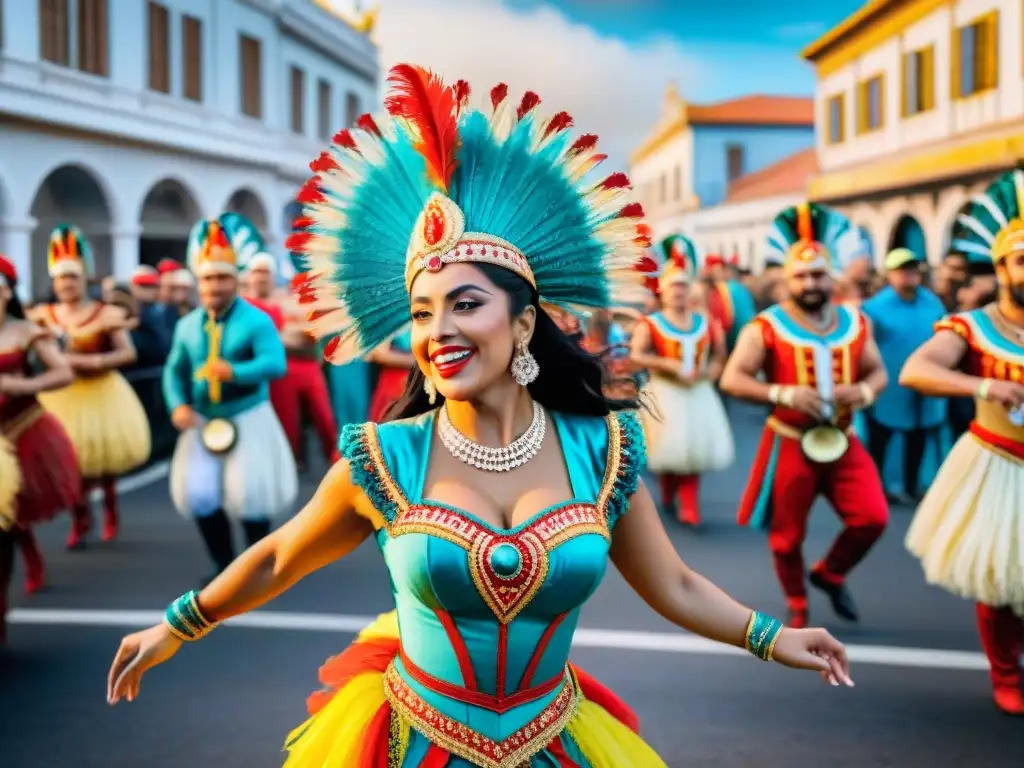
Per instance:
{"type": "Point", "coordinates": [498, 94]}
{"type": "Point", "coordinates": [424, 100]}
{"type": "Point", "coordinates": [646, 264]}
{"type": "Point", "coordinates": [644, 235]}
{"type": "Point", "coordinates": [310, 193]}
{"type": "Point", "coordinates": [584, 143]}
{"type": "Point", "coordinates": [559, 122]}
{"type": "Point", "coordinates": [344, 139]}
{"type": "Point", "coordinates": [7, 270]}
{"type": "Point", "coordinates": [528, 104]}
{"type": "Point", "coordinates": [367, 123]}
{"type": "Point", "coordinates": [297, 241]}
{"type": "Point", "coordinates": [462, 92]}
{"type": "Point", "coordinates": [616, 181]}
{"type": "Point", "coordinates": [332, 346]}
{"type": "Point", "coordinates": [303, 222]}
{"type": "Point", "coordinates": [632, 211]}
{"type": "Point", "coordinates": [323, 164]}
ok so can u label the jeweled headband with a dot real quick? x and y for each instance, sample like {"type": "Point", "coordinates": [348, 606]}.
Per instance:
{"type": "Point", "coordinates": [433, 182]}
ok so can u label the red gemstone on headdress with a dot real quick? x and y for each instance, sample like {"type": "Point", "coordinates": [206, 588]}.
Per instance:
{"type": "Point", "coordinates": [434, 263]}
{"type": "Point", "coordinates": [433, 225]}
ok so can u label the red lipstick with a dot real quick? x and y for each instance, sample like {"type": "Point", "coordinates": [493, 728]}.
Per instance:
{"type": "Point", "coordinates": [449, 361]}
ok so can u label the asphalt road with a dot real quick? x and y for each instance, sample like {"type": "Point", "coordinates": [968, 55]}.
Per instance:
{"type": "Point", "coordinates": [230, 700]}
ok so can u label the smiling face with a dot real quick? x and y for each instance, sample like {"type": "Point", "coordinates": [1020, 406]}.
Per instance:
{"type": "Point", "coordinates": [463, 331]}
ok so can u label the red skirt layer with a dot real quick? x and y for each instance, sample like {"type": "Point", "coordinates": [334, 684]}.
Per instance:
{"type": "Point", "coordinates": [51, 481]}
{"type": "Point", "coordinates": [390, 386]}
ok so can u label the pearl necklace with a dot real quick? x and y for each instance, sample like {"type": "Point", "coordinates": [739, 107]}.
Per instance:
{"type": "Point", "coordinates": [513, 455]}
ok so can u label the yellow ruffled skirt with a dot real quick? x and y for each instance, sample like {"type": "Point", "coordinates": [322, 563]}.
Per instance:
{"type": "Point", "coordinates": [968, 531]}
{"type": "Point", "coordinates": [354, 724]}
{"type": "Point", "coordinates": [105, 421]}
{"type": "Point", "coordinates": [10, 483]}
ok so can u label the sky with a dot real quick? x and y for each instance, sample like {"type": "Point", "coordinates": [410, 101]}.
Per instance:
{"type": "Point", "coordinates": [608, 62]}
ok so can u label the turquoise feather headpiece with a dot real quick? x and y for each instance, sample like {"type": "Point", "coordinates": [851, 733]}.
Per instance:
{"type": "Point", "coordinates": [812, 236]}
{"type": "Point", "coordinates": [681, 259]}
{"type": "Point", "coordinates": [433, 182]}
{"type": "Point", "coordinates": [993, 227]}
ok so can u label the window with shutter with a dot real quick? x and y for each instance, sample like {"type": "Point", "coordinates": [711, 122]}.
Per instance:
{"type": "Point", "coordinates": [192, 58]}
{"type": "Point", "coordinates": [93, 41]}
{"type": "Point", "coordinates": [351, 109]}
{"type": "Point", "coordinates": [250, 72]}
{"type": "Point", "coordinates": [324, 120]}
{"type": "Point", "coordinates": [54, 31]}
{"type": "Point", "coordinates": [159, 48]}
{"type": "Point", "coordinates": [298, 85]}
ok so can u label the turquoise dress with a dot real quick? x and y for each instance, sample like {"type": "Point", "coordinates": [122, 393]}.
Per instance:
{"type": "Point", "coordinates": [478, 672]}
{"type": "Point", "coordinates": [349, 387]}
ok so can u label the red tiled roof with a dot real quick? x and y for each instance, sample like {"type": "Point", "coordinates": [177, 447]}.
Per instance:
{"type": "Point", "coordinates": [790, 174]}
{"type": "Point", "coordinates": [755, 110]}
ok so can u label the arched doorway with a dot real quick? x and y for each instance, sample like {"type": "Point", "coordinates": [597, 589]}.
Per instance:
{"type": "Point", "coordinates": [70, 195]}
{"type": "Point", "coordinates": [909, 234]}
{"type": "Point", "coordinates": [168, 213]}
{"type": "Point", "coordinates": [246, 203]}
{"type": "Point", "coordinates": [947, 235]}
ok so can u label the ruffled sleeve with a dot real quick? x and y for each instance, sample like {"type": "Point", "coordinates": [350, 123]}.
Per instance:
{"type": "Point", "coordinates": [627, 456]}
{"type": "Point", "coordinates": [957, 324]}
{"type": "Point", "coordinates": [360, 447]}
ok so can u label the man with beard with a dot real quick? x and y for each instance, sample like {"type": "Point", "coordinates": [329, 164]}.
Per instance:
{"type": "Point", "coordinates": [967, 530]}
{"type": "Point", "coordinates": [820, 363]}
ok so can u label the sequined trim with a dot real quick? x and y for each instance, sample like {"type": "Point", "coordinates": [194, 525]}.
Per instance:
{"type": "Point", "coordinates": [359, 444]}
{"type": "Point", "coordinates": [626, 458]}
{"type": "Point", "coordinates": [462, 741]}
{"type": "Point", "coordinates": [505, 594]}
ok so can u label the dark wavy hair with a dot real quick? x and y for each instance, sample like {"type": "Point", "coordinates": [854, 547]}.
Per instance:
{"type": "Point", "coordinates": [570, 379]}
{"type": "Point", "coordinates": [14, 306]}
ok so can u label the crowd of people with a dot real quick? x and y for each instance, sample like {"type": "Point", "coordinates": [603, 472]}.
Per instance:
{"type": "Point", "coordinates": [471, 339]}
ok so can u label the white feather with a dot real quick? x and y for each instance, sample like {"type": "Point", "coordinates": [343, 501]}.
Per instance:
{"type": "Point", "coordinates": [977, 227]}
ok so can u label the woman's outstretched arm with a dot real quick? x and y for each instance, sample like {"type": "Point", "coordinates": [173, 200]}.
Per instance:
{"type": "Point", "coordinates": [643, 553]}
{"type": "Point", "coordinates": [336, 520]}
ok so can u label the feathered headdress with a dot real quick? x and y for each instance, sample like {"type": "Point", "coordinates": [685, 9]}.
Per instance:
{"type": "Point", "coordinates": [993, 226]}
{"type": "Point", "coordinates": [680, 260]}
{"type": "Point", "coordinates": [210, 250]}
{"type": "Point", "coordinates": [8, 273]}
{"type": "Point", "coordinates": [69, 253]}
{"type": "Point", "coordinates": [811, 236]}
{"type": "Point", "coordinates": [433, 182]}
{"type": "Point", "coordinates": [245, 238]}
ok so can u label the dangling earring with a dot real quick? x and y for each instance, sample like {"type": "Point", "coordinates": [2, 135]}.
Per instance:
{"type": "Point", "coordinates": [430, 389]}
{"type": "Point", "coordinates": [524, 365]}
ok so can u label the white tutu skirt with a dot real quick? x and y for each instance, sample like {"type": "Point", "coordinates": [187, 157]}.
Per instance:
{"type": "Point", "coordinates": [968, 531]}
{"type": "Point", "coordinates": [688, 432]}
{"type": "Point", "coordinates": [255, 481]}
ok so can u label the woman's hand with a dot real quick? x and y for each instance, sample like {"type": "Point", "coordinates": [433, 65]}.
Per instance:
{"type": "Point", "coordinates": [813, 649]}
{"type": "Point", "coordinates": [138, 652]}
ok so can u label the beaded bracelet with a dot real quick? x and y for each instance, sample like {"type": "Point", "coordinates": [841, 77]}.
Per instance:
{"type": "Point", "coordinates": [762, 633]}
{"type": "Point", "coordinates": [185, 620]}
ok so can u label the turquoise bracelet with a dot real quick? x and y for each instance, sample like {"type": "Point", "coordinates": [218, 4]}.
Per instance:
{"type": "Point", "coordinates": [762, 632]}
{"type": "Point", "coordinates": [185, 620]}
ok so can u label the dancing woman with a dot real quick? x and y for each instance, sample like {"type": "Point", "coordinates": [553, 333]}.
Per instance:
{"type": "Point", "coordinates": [507, 481]}
{"type": "Point", "coordinates": [39, 474]}
{"type": "Point", "coordinates": [684, 351]}
{"type": "Point", "coordinates": [967, 530]}
{"type": "Point", "coordinates": [100, 411]}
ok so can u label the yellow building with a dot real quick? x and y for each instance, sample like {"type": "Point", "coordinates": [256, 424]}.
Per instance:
{"type": "Point", "coordinates": [919, 103]}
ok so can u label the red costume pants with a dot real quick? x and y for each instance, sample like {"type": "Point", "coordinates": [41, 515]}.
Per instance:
{"type": "Point", "coordinates": [304, 384]}
{"type": "Point", "coordinates": [684, 492]}
{"type": "Point", "coordinates": [853, 488]}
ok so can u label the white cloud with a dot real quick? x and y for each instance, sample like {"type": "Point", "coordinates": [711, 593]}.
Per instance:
{"type": "Point", "coordinates": [609, 88]}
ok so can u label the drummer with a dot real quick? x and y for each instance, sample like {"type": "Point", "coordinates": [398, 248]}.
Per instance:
{"type": "Point", "coordinates": [820, 363]}
{"type": "Point", "coordinates": [232, 460]}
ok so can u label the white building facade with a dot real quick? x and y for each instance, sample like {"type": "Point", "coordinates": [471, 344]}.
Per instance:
{"type": "Point", "coordinates": [919, 105]}
{"type": "Point", "coordinates": [133, 119]}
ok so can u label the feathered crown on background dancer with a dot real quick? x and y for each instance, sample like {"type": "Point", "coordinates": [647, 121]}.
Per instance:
{"type": "Point", "coordinates": [433, 182]}
{"type": "Point", "coordinates": [811, 236]}
{"type": "Point", "coordinates": [69, 253]}
{"type": "Point", "coordinates": [222, 246]}
{"type": "Point", "coordinates": [681, 260]}
{"type": "Point", "coordinates": [993, 227]}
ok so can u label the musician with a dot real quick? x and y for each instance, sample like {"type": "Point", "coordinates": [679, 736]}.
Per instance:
{"type": "Point", "coordinates": [232, 459]}
{"type": "Point", "coordinates": [820, 364]}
